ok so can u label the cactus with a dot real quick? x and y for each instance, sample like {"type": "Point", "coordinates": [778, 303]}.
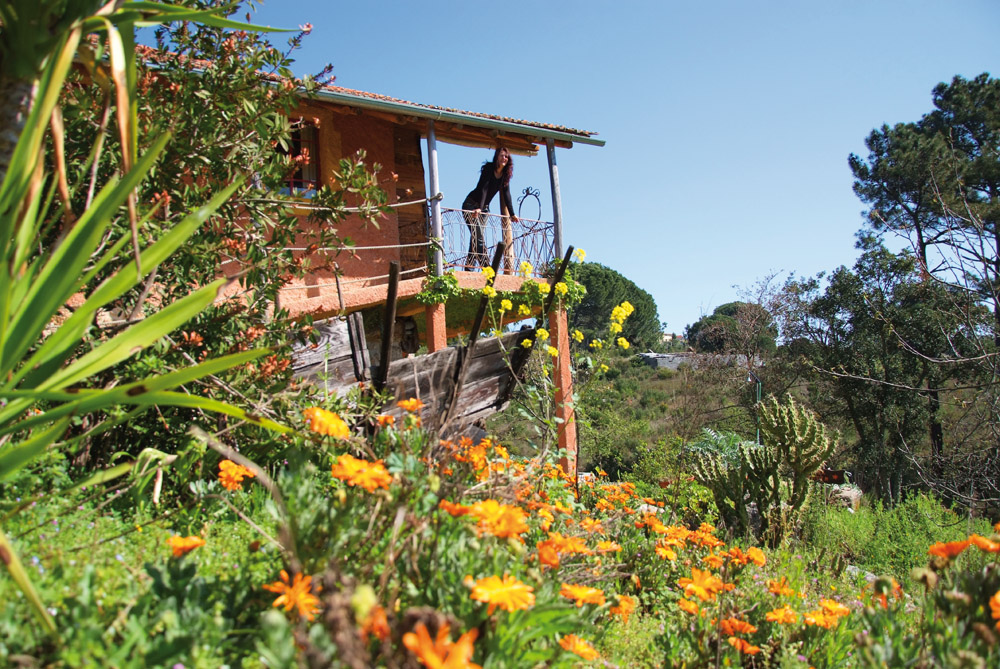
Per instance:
{"type": "Point", "coordinates": [740, 473]}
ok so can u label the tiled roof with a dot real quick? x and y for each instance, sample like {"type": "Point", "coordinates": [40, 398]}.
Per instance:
{"type": "Point", "coordinates": [492, 117]}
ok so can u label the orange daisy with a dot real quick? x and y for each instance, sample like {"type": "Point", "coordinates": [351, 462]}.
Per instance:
{"type": "Point", "coordinates": [688, 606]}
{"type": "Point", "coordinates": [367, 475]}
{"type": "Point", "coordinates": [780, 588]}
{"type": "Point", "coordinates": [702, 585]}
{"type": "Point", "coordinates": [386, 420]}
{"type": "Point", "coordinates": [744, 647]}
{"type": "Point", "coordinates": [441, 653]}
{"type": "Point", "coordinates": [949, 550]}
{"type": "Point", "coordinates": [834, 608]}
{"type": "Point", "coordinates": [508, 593]}
{"type": "Point", "coordinates": [412, 405]}
{"type": "Point", "coordinates": [784, 615]}
{"type": "Point", "coordinates": [625, 608]}
{"type": "Point", "coordinates": [995, 608]}
{"type": "Point", "coordinates": [295, 594]}
{"type": "Point", "coordinates": [578, 646]}
{"type": "Point", "coordinates": [376, 624]}
{"type": "Point", "coordinates": [231, 475]}
{"type": "Point", "coordinates": [326, 422]}
{"type": "Point", "coordinates": [583, 594]}
{"type": "Point", "coordinates": [548, 555]}
{"type": "Point", "coordinates": [756, 556]}
{"type": "Point", "coordinates": [500, 520]}
{"type": "Point", "coordinates": [608, 547]}
{"type": "Point", "coordinates": [985, 544]}
{"type": "Point", "coordinates": [181, 546]}
{"type": "Point", "coordinates": [731, 626]}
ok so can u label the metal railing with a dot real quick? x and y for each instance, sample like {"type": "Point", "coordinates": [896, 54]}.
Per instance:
{"type": "Point", "coordinates": [527, 240]}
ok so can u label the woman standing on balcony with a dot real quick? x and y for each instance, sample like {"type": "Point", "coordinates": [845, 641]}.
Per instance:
{"type": "Point", "coordinates": [494, 177]}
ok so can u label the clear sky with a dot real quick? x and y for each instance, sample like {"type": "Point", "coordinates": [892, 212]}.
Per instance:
{"type": "Point", "coordinates": [728, 123]}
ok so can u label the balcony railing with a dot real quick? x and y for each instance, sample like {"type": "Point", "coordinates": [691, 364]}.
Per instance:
{"type": "Point", "coordinates": [527, 240]}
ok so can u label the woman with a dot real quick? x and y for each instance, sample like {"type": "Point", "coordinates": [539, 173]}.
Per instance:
{"type": "Point", "coordinates": [494, 177]}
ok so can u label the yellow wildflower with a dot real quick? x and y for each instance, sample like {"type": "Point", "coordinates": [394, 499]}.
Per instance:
{"type": "Point", "coordinates": [541, 334]}
{"type": "Point", "coordinates": [526, 268]}
{"type": "Point", "coordinates": [490, 292]}
{"type": "Point", "coordinates": [579, 254]}
{"type": "Point", "coordinates": [577, 336]}
{"type": "Point", "coordinates": [553, 351]}
{"type": "Point", "coordinates": [523, 310]}
{"type": "Point", "coordinates": [488, 273]}
{"type": "Point", "coordinates": [506, 305]}
{"type": "Point", "coordinates": [623, 343]}
{"type": "Point", "coordinates": [561, 288]}
{"type": "Point", "coordinates": [544, 288]}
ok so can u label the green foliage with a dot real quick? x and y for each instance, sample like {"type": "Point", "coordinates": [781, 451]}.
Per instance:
{"type": "Point", "coordinates": [605, 289]}
{"type": "Point", "coordinates": [734, 327]}
{"type": "Point", "coordinates": [439, 289]}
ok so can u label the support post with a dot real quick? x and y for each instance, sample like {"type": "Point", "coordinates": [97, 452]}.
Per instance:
{"type": "Point", "coordinates": [550, 150]}
{"type": "Point", "coordinates": [563, 378]}
{"type": "Point", "coordinates": [437, 335]}
{"type": "Point", "coordinates": [388, 328]}
{"type": "Point", "coordinates": [432, 174]}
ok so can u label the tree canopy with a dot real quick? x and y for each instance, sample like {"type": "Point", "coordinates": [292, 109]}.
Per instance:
{"type": "Point", "coordinates": [606, 289]}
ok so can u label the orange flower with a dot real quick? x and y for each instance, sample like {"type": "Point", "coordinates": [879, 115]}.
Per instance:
{"type": "Point", "coordinates": [441, 653]}
{"type": "Point", "coordinates": [412, 405]}
{"type": "Point", "coordinates": [784, 615]}
{"type": "Point", "coordinates": [454, 509]}
{"type": "Point", "coordinates": [386, 420]}
{"type": "Point", "coordinates": [183, 545]}
{"type": "Point", "coordinates": [995, 608]}
{"type": "Point", "coordinates": [743, 646]}
{"type": "Point", "coordinates": [591, 525]}
{"type": "Point", "coordinates": [820, 618]}
{"type": "Point", "coordinates": [756, 556]}
{"type": "Point", "coordinates": [688, 606]}
{"type": "Point", "coordinates": [326, 422]}
{"type": "Point", "coordinates": [702, 585]}
{"type": "Point", "coordinates": [949, 550]}
{"type": "Point", "coordinates": [376, 624]}
{"type": "Point", "coordinates": [583, 594]}
{"type": "Point", "coordinates": [737, 556]}
{"type": "Point", "coordinates": [368, 475]}
{"type": "Point", "coordinates": [608, 547]}
{"type": "Point", "coordinates": [231, 475]}
{"type": "Point", "coordinates": [500, 520]}
{"type": "Point", "coordinates": [547, 519]}
{"type": "Point", "coordinates": [626, 605]}
{"type": "Point", "coordinates": [731, 626]}
{"type": "Point", "coordinates": [834, 608]}
{"type": "Point", "coordinates": [985, 544]}
{"type": "Point", "coordinates": [295, 594]}
{"type": "Point", "coordinates": [547, 554]}
{"type": "Point", "coordinates": [578, 646]}
{"type": "Point", "coordinates": [664, 551]}
{"type": "Point", "coordinates": [780, 588]}
{"type": "Point", "coordinates": [569, 544]}
{"type": "Point", "coordinates": [714, 561]}
{"type": "Point", "coordinates": [508, 593]}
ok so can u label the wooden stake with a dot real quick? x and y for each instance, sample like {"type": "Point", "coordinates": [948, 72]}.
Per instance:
{"type": "Point", "coordinates": [388, 327]}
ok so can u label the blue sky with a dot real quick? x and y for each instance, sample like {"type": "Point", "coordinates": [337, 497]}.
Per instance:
{"type": "Point", "coordinates": [728, 124]}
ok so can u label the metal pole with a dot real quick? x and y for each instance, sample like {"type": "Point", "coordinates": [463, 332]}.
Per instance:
{"type": "Point", "coordinates": [432, 173]}
{"type": "Point", "coordinates": [550, 150]}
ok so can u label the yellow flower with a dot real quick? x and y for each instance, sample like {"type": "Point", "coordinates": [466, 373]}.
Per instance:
{"type": "Point", "coordinates": [541, 334]}
{"type": "Point", "coordinates": [231, 475]}
{"type": "Point", "coordinates": [579, 254]}
{"type": "Point", "coordinates": [411, 405]}
{"type": "Point", "coordinates": [508, 593]}
{"type": "Point", "coordinates": [544, 288]}
{"type": "Point", "coordinates": [326, 422]}
{"type": "Point", "coordinates": [528, 343]}
{"type": "Point", "coordinates": [623, 343]}
{"type": "Point", "coordinates": [578, 646]}
{"type": "Point", "coordinates": [603, 368]}
{"type": "Point", "coordinates": [526, 268]}
{"type": "Point", "coordinates": [441, 652]}
{"type": "Point", "coordinates": [490, 292]}
{"type": "Point", "coordinates": [553, 351]}
{"type": "Point", "coordinates": [367, 475]}
{"type": "Point", "coordinates": [596, 344]}
{"type": "Point", "coordinates": [523, 310]}
{"type": "Point", "coordinates": [506, 305]}
{"type": "Point", "coordinates": [577, 336]}
{"type": "Point", "coordinates": [583, 594]}
{"type": "Point", "coordinates": [296, 594]}
{"type": "Point", "coordinates": [561, 288]}
{"type": "Point", "coordinates": [488, 273]}
{"type": "Point", "coordinates": [183, 545]}
{"type": "Point", "coordinates": [615, 328]}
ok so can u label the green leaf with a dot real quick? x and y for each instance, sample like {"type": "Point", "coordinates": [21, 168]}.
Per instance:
{"type": "Point", "coordinates": [13, 457]}
{"type": "Point", "coordinates": [20, 576]}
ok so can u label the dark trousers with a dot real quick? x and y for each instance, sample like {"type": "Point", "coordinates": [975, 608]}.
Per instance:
{"type": "Point", "coordinates": [477, 239]}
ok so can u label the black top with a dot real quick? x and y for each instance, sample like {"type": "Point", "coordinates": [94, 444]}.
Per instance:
{"type": "Point", "coordinates": [488, 186]}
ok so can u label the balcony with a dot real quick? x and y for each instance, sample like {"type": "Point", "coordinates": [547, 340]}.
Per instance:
{"type": "Point", "coordinates": [527, 240]}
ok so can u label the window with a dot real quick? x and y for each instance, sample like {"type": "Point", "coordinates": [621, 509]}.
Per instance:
{"type": "Point", "coordinates": [304, 150]}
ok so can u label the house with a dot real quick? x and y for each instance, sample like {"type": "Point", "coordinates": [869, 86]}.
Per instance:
{"type": "Point", "coordinates": [424, 234]}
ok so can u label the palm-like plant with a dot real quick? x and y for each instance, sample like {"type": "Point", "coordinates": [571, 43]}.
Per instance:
{"type": "Point", "coordinates": [44, 369]}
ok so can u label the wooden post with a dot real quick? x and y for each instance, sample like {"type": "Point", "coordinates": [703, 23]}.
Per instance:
{"type": "Point", "coordinates": [437, 334]}
{"type": "Point", "coordinates": [466, 354]}
{"type": "Point", "coordinates": [388, 327]}
{"type": "Point", "coordinates": [550, 150]}
{"type": "Point", "coordinates": [563, 377]}
{"type": "Point", "coordinates": [432, 175]}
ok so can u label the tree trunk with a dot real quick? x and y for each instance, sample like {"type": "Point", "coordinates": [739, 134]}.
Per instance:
{"type": "Point", "coordinates": [16, 98]}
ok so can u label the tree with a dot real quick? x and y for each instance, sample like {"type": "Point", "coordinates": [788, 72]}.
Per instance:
{"type": "Point", "coordinates": [606, 289]}
{"type": "Point", "coordinates": [936, 184]}
{"type": "Point", "coordinates": [743, 328]}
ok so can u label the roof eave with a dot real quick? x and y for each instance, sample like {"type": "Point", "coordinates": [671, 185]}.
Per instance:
{"type": "Point", "coordinates": [453, 117]}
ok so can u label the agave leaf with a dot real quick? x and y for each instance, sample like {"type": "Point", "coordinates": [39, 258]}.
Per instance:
{"type": "Point", "coordinates": [20, 576]}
